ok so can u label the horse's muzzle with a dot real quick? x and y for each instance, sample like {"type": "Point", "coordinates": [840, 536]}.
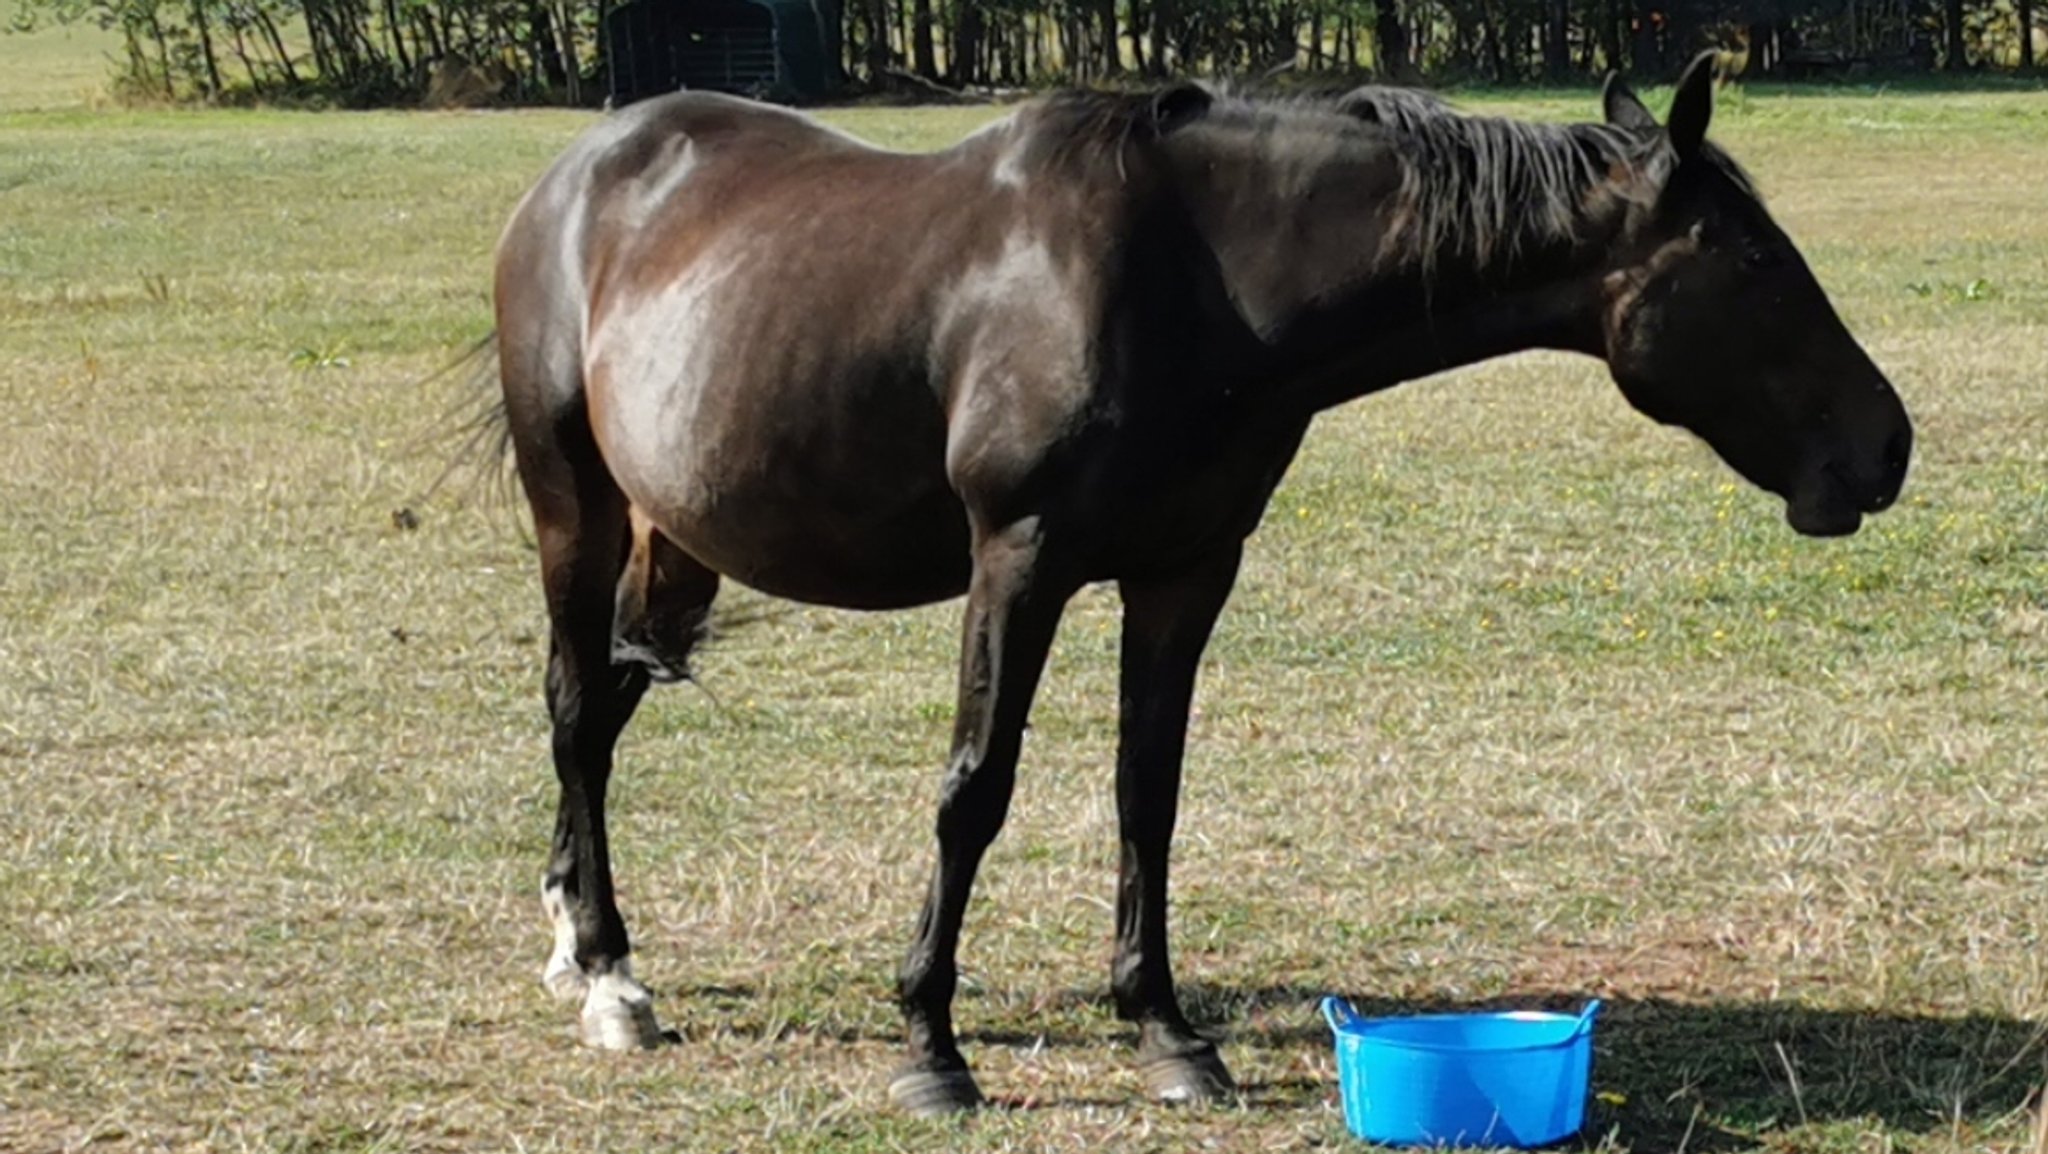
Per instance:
{"type": "Point", "coordinates": [1837, 494]}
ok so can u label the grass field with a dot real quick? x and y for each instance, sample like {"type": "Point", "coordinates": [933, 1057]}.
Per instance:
{"type": "Point", "coordinates": [1521, 699]}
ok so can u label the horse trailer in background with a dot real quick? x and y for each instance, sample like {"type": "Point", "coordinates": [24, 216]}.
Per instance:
{"type": "Point", "coordinates": [784, 50]}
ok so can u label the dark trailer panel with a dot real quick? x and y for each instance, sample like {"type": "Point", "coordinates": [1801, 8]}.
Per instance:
{"type": "Point", "coordinates": [769, 49]}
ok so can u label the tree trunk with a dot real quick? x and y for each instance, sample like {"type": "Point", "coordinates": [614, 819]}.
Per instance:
{"type": "Point", "coordinates": [138, 62]}
{"type": "Point", "coordinates": [1952, 20]}
{"type": "Point", "coordinates": [877, 39]}
{"type": "Point", "coordinates": [572, 64]}
{"type": "Point", "coordinates": [270, 33]}
{"type": "Point", "coordinates": [547, 50]}
{"type": "Point", "coordinates": [924, 57]}
{"type": "Point", "coordinates": [163, 55]}
{"type": "Point", "coordinates": [1286, 36]}
{"type": "Point", "coordinates": [2026, 14]}
{"type": "Point", "coordinates": [1390, 42]}
{"type": "Point", "coordinates": [433, 43]}
{"type": "Point", "coordinates": [241, 50]}
{"type": "Point", "coordinates": [459, 21]}
{"type": "Point", "coordinates": [396, 30]}
{"type": "Point", "coordinates": [1165, 18]}
{"type": "Point", "coordinates": [321, 64]}
{"type": "Point", "coordinates": [199, 24]}
{"type": "Point", "coordinates": [1112, 63]}
{"type": "Point", "coordinates": [1646, 59]}
{"type": "Point", "coordinates": [1682, 34]}
{"type": "Point", "coordinates": [964, 58]}
{"type": "Point", "coordinates": [1557, 47]}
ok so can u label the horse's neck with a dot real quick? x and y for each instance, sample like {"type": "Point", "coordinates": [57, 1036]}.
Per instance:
{"type": "Point", "coordinates": [1315, 263]}
{"type": "Point", "coordinates": [1462, 323]}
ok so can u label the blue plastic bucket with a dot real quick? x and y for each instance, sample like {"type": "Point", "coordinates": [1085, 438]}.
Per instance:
{"type": "Point", "coordinates": [1510, 1079]}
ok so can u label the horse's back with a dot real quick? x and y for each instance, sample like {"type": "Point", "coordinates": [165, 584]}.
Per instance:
{"type": "Point", "coordinates": [805, 359]}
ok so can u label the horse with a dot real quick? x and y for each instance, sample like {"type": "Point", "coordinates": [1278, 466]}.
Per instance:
{"type": "Point", "coordinates": [1081, 346]}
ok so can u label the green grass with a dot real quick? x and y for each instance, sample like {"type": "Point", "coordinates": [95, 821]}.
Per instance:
{"type": "Point", "coordinates": [54, 67]}
{"type": "Point", "coordinates": [1521, 699]}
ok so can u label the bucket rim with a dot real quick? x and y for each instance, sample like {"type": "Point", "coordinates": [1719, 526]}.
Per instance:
{"type": "Point", "coordinates": [1346, 1022]}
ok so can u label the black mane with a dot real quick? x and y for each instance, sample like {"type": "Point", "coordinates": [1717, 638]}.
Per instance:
{"type": "Point", "coordinates": [1482, 187]}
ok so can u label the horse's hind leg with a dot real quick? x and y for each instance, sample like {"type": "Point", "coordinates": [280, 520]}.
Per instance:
{"type": "Point", "coordinates": [590, 699]}
{"type": "Point", "coordinates": [580, 521]}
{"type": "Point", "coordinates": [664, 597]}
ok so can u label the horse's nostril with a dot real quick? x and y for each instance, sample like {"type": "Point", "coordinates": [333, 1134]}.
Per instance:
{"type": "Point", "coordinates": [1883, 488]}
{"type": "Point", "coordinates": [1898, 450]}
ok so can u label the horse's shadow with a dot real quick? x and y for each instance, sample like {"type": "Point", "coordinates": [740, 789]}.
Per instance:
{"type": "Point", "coordinates": [1667, 1075]}
{"type": "Point", "coordinates": [1709, 1077]}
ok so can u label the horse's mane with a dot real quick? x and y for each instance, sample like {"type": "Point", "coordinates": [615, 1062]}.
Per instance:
{"type": "Point", "coordinates": [1489, 187]}
{"type": "Point", "coordinates": [1482, 186]}
{"type": "Point", "coordinates": [1090, 126]}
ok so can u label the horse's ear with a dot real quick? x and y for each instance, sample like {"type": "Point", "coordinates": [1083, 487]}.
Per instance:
{"type": "Point", "coordinates": [1620, 105]}
{"type": "Point", "coordinates": [1359, 105]}
{"type": "Point", "coordinates": [1179, 105]}
{"type": "Point", "coordinates": [1692, 106]}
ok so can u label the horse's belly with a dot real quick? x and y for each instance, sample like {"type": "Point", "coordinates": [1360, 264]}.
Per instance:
{"type": "Point", "coordinates": [810, 497]}
{"type": "Point", "coordinates": [877, 558]}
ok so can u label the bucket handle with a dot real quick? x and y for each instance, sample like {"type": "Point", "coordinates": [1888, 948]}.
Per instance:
{"type": "Point", "coordinates": [1338, 1012]}
{"type": "Point", "coordinates": [1586, 1018]}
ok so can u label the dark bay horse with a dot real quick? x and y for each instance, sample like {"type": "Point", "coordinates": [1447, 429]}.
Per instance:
{"type": "Point", "coordinates": [1082, 345]}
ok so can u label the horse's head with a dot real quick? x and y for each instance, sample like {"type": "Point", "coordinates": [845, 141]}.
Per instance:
{"type": "Point", "coordinates": [1713, 322]}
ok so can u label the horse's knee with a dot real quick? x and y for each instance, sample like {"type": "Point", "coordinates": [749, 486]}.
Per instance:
{"type": "Point", "coordinates": [974, 800]}
{"type": "Point", "coordinates": [662, 605]}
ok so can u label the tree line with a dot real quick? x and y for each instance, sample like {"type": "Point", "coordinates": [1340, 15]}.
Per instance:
{"type": "Point", "coordinates": [367, 52]}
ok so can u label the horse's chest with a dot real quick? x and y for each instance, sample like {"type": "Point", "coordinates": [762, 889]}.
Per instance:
{"type": "Point", "coordinates": [1174, 494]}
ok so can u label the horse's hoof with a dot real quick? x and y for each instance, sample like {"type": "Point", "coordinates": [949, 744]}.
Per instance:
{"type": "Point", "coordinates": [934, 1093]}
{"type": "Point", "coordinates": [1198, 1076]}
{"type": "Point", "coordinates": [619, 1015]}
{"type": "Point", "coordinates": [564, 979]}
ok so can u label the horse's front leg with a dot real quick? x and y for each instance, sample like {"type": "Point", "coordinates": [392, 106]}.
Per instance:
{"type": "Point", "coordinates": [1166, 626]}
{"type": "Point", "coordinates": [1013, 609]}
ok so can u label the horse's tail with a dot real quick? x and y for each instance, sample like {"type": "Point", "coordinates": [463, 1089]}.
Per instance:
{"type": "Point", "coordinates": [474, 421]}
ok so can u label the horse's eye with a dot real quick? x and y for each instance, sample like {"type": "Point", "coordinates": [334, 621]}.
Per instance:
{"type": "Point", "coordinates": [1758, 258]}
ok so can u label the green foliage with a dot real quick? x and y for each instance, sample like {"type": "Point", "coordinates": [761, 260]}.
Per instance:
{"type": "Point", "coordinates": [1977, 289]}
{"type": "Point", "coordinates": [325, 357]}
{"type": "Point", "coordinates": [376, 52]}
